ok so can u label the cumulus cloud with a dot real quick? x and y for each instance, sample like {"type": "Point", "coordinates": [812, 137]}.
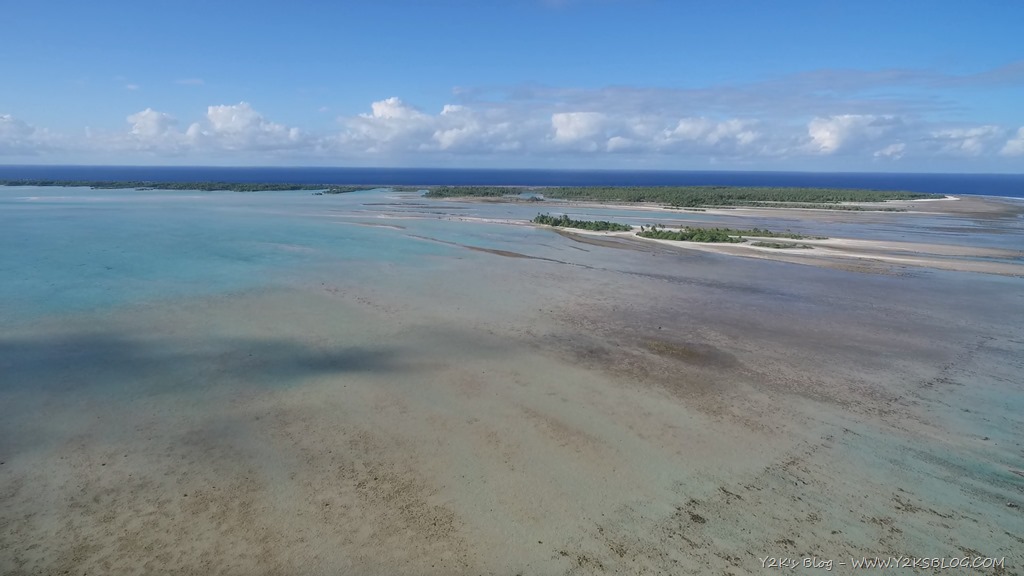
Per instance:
{"type": "Point", "coordinates": [463, 129]}
{"type": "Point", "coordinates": [12, 128]}
{"type": "Point", "coordinates": [576, 127]}
{"type": "Point", "coordinates": [231, 127]}
{"type": "Point", "coordinates": [543, 127]}
{"type": "Point", "coordinates": [149, 123]}
{"type": "Point", "coordinates": [892, 151]}
{"type": "Point", "coordinates": [19, 138]}
{"type": "Point", "coordinates": [971, 141]}
{"type": "Point", "coordinates": [711, 133]}
{"type": "Point", "coordinates": [240, 127]}
{"type": "Point", "coordinates": [831, 134]}
{"type": "Point", "coordinates": [391, 125]}
{"type": "Point", "coordinates": [150, 131]}
{"type": "Point", "coordinates": [1015, 145]}
{"type": "Point", "coordinates": [240, 124]}
{"type": "Point", "coordinates": [396, 127]}
{"type": "Point", "coordinates": [394, 108]}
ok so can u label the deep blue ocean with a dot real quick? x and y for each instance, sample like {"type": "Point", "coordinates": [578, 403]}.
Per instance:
{"type": "Point", "coordinates": [1011, 185]}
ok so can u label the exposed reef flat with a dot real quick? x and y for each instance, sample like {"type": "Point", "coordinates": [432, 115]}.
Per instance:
{"type": "Point", "coordinates": [863, 254]}
{"type": "Point", "coordinates": [838, 253]}
{"type": "Point", "coordinates": [460, 392]}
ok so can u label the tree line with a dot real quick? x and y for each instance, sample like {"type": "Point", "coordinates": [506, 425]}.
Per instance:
{"type": "Point", "coordinates": [201, 186]}
{"type": "Point", "coordinates": [564, 221]}
{"type": "Point", "coordinates": [691, 196]}
{"type": "Point", "coordinates": [731, 235]}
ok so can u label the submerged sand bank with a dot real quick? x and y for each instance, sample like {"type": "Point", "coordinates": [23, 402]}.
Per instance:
{"type": "Point", "coordinates": [981, 206]}
{"type": "Point", "coordinates": [866, 255]}
{"type": "Point", "coordinates": [519, 408]}
{"type": "Point", "coordinates": [840, 252]}
{"type": "Point", "coordinates": [835, 252]}
{"type": "Point", "coordinates": [847, 253]}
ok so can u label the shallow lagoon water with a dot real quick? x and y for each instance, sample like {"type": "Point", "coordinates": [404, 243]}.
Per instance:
{"type": "Point", "coordinates": [286, 383]}
{"type": "Point", "coordinates": [78, 249]}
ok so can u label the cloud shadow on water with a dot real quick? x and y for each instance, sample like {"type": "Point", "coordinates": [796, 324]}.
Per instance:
{"type": "Point", "coordinates": [95, 361]}
{"type": "Point", "coordinates": [60, 382]}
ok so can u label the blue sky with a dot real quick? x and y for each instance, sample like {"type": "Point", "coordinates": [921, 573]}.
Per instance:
{"type": "Point", "coordinates": [815, 85]}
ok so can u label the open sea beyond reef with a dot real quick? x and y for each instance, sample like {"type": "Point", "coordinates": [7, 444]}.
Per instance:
{"type": "Point", "coordinates": [1008, 185]}
{"type": "Point", "coordinates": [379, 383]}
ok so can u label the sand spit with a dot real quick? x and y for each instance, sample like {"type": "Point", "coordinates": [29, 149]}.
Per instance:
{"type": "Point", "coordinates": [873, 256]}
{"type": "Point", "coordinates": [835, 252]}
{"type": "Point", "coordinates": [838, 252]}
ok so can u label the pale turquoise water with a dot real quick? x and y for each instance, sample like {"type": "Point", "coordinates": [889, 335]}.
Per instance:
{"type": "Point", "coordinates": [73, 249]}
{"type": "Point", "coordinates": [77, 249]}
{"type": "Point", "coordinates": [156, 344]}
{"type": "Point", "coordinates": [191, 336]}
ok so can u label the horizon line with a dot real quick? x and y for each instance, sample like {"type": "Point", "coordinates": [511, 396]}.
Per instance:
{"type": "Point", "coordinates": [497, 169]}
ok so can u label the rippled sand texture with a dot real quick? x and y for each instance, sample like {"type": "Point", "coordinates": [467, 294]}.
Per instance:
{"type": "Point", "coordinates": [457, 408]}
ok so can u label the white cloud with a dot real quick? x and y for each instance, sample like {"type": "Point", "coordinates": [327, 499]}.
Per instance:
{"type": "Point", "coordinates": [11, 128]}
{"type": "Point", "coordinates": [692, 128]}
{"type": "Point", "coordinates": [233, 127]}
{"type": "Point", "coordinates": [458, 127]}
{"type": "Point", "coordinates": [236, 119]}
{"type": "Point", "coordinates": [391, 125]}
{"type": "Point", "coordinates": [150, 124]}
{"type": "Point", "coordinates": [570, 127]}
{"type": "Point", "coordinates": [702, 131]}
{"type": "Point", "coordinates": [240, 127]}
{"type": "Point", "coordinates": [395, 131]}
{"type": "Point", "coordinates": [1015, 145]}
{"type": "Point", "coordinates": [622, 144]}
{"type": "Point", "coordinates": [845, 131]}
{"type": "Point", "coordinates": [150, 131]}
{"type": "Point", "coordinates": [394, 127]}
{"type": "Point", "coordinates": [18, 138]}
{"type": "Point", "coordinates": [394, 108]}
{"type": "Point", "coordinates": [972, 141]}
{"type": "Point", "coordinates": [534, 126]}
{"type": "Point", "coordinates": [892, 151]}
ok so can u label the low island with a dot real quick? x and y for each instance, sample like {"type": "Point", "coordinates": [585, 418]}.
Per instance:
{"type": "Point", "coordinates": [200, 186]}
{"type": "Point", "coordinates": [694, 196]}
{"type": "Point", "coordinates": [682, 234]}
{"type": "Point", "coordinates": [564, 221]}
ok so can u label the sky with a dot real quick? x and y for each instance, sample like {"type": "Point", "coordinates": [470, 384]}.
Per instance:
{"type": "Point", "coordinates": [823, 85]}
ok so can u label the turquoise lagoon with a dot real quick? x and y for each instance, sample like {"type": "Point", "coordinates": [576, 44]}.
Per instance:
{"type": "Point", "coordinates": [376, 383]}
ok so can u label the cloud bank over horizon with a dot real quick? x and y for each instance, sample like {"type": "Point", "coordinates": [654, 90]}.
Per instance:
{"type": "Point", "coordinates": [816, 120]}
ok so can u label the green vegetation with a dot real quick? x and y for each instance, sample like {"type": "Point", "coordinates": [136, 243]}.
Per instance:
{"type": "Point", "coordinates": [202, 186]}
{"type": "Point", "coordinates": [762, 233]}
{"type": "Point", "coordinates": [693, 235]}
{"type": "Point", "coordinates": [685, 197]}
{"type": "Point", "coordinates": [694, 196]}
{"type": "Point", "coordinates": [564, 221]}
{"type": "Point", "coordinates": [805, 206]}
{"type": "Point", "coordinates": [473, 191]}
{"type": "Point", "coordinates": [731, 235]}
{"type": "Point", "coordinates": [780, 245]}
